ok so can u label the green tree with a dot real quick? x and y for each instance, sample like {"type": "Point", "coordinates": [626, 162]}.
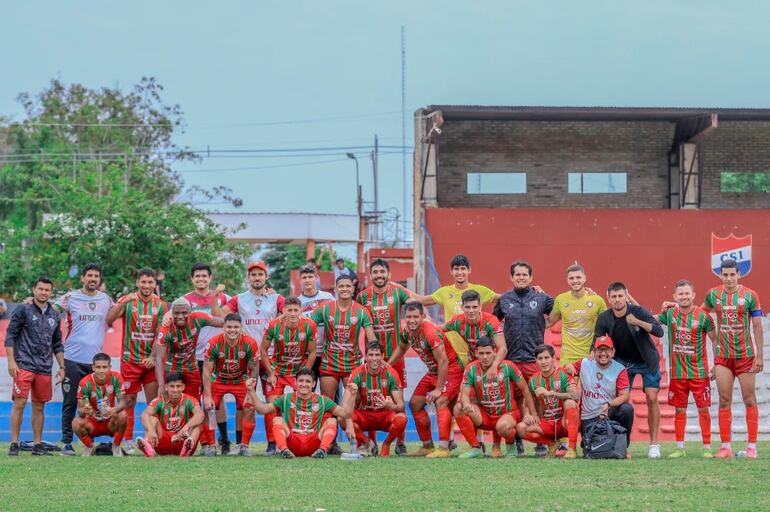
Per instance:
{"type": "Point", "coordinates": [283, 258]}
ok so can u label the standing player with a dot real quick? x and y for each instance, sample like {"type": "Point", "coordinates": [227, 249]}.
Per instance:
{"type": "Point", "coordinates": [688, 326]}
{"type": "Point", "coordinates": [86, 310]}
{"type": "Point", "coordinates": [100, 406]}
{"type": "Point", "coordinates": [310, 298]}
{"type": "Point", "coordinates": [440, 385]}
{"type": "Point", "coordinates": [257, 307]}
{"type": "Point", "coordinates": [557, 398]}
{"type": "Point", "coordinates": [449, 298]}
{"type": "Point", "coordinates": [292, 339]}
{"type": "Point", "coordinates": [175, 353]}
{"type": "Point", "coordinates": [231, 359]}
{"type": "Point", "coordinates": [578, 310]}
{"type": "Point", "coordinates": [171, 422]}
{"type": "Point", "coordinates": [472, 324]}
{"type": "Point", "coordinates": [143, 313]}
{"type": "Point", "coordinates": [496, 395]}
{"type": "Point", "coordinates": [307, 424]}
{"type": "Point", "coordinates": [380, 401]}
{"type": "Point", "coordinates": [200, 299]}
{"type": "Point", "coordinates": [384, 300]}
{"type": "Point", "coordinates": [737, 355]}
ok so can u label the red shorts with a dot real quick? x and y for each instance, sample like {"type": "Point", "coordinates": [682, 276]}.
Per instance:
{"type": "Point", "coordinates": [373, 420]}
{"type": "Point", "coordinates": [303, 445]}
{"type": "Point", "coordinates": [336, 375]}
{"type": "Point", "coordinates": [192, 383]}
{"type": "Point", "coordinates": [38, 383]}
{"type": "Point", "coordinates": [737, 365]}
{"type": "Point", "coordinates": [527, 369]}
{"type": "Point", "coordinates": [679, 392]}
{"type": "Point", "coordinates": [135, 376]}
{"type": "Point", "coordinates": [166, 447]}
{"type": "Point", "coordinates": [219, 390]}
{"type": "Point", "coordinates": [99, 428]}
{"type": "Point", "coordinates": [488, 421]}
{"type": "Point", "coordinates": [400, 368]}
{"type": "Point", "coordinates": [553, 429]}
{"type": "Point", "coordinates": [281, 383]}
{"type": "Point", "coordinates": [454, 380]}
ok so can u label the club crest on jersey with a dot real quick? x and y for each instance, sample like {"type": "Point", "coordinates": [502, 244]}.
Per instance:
{"type": "Point", "coordinates": [92, 305]}
{"type": "Point", "coordinates": [353, 319]}
{"type": "Point", "coordinates": [731, 248]}
{"type": "Point", "coordinates": [589, 304]}
{"type": "Point", "coordinates": [533, 304]}
{"type": "Point", "coordinates": [258, 302]}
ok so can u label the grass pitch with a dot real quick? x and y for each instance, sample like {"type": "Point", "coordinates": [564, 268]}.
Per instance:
{"type": "Point", "coordinates": [260, 483]}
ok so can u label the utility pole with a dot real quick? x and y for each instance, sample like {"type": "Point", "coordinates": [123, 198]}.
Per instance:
{"type": "Point", "coordinates": [404, 213]}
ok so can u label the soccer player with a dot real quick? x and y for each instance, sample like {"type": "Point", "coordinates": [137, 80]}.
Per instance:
{"type": "Point", "coordinates": [86, 310]}
{"type": "Point", "coordinates": [472, 324]}
{"type": "Point", "coordinates": [737, 355]}
{"type": "Point", "coordinates": [307, 424]}
{"type": "Point", "coordinates": [380, 402]}
{"type": "Point", "coordinates": [200, 299]}
{"type": "Point", "coordinates": [292, 339]}
{"type": "Point", "coordinates": [175, 352]}
{"type": "Point", "coordinates": [100, 406]}
{"type": "Point", "coordinates": [171, 421]}
{"type": "Point", "coordinates": [231, 359]}
{"type": "Point", "coordinates": [578, 310]}
{"type": "Point", "coordinates": [449, 298]}
{"type": "Point", "coordinates": [310, 298]}
{"type": "Point", "coordinates": [688, 326]}
{"type": "Point", "coordinates": [496, 396]}
{"type": "Point", "coordinates": [384, 300]}
{"type": "Point", "coordinates": [439, 386]}
{"type": "Point", "coordinates": [33, 340]}
{"type": "Point", "coordinates": [257, 307]}
{"type": "Point", "coordinates": [557, 398]}
{"type": "Point", "coordinates": [143, 313]}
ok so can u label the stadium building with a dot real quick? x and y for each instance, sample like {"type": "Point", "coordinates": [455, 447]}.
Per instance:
{"type": "Point", "coordinates": [646, 196]}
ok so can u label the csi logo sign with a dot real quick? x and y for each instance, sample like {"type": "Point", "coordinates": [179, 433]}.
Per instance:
{"type": "Point", "coordinates": [731, 248]}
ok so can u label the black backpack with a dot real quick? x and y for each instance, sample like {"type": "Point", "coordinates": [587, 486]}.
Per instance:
{"type": "Point", "coordinates": [605, 439]}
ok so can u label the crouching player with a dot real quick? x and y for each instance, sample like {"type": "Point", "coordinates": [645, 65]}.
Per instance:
{"type": "Point", "coordinates": [307, 424]}
{"type": "Point", "coordinates": [100, 406]}
{"type": "Point", "coordinates": [380, 402]}
{"type": "Point", "coordinates": [497, 410]}
{"type": "Point", "coordinates": [557, 397]}
{"type": "Point", "coordinates": [171, 422]}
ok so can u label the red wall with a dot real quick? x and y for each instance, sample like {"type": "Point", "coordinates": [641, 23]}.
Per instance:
{"type": "Point", "coordinates": [649, 250]}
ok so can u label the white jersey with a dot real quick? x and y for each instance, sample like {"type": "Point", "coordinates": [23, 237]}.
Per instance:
{"type": "Point", "coordinates": [256, 311]}
{"type": "Point", "coordinates": [203, 303]}
{"type": "Point", "coordinates": [309, 305]}
{"type": "Point", "coordinates": [86, 324]}
{"type": "Point", "coordinates": [600, 385]}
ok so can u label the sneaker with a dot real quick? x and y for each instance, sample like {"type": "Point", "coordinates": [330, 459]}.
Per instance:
{"type": "Point", "coordinates": [385, 450]}
{"type": "Point", "coordinates": [13, 450]}
{"type": "Point", "coordinates": [144, 447]}
{"type": "Point", "coordinates": [319, 454]}
{"type": "Point", "coordinates": [497, 452]}
{"type": "Point", "coordinates": [68, 450]}
{"type": "Point", "coordinates": [400, 449]}
{"type": "Point", "coordinates": [128, 447]}
{"type": "Point", "coordinates": [452, 445]}
{"type": "Point", "coordinates": [707, 453]}
{"type": "Point", "coordinates": [653, 452]}
{"type": "Point", "coordinates": [224, 447]}
{"type": "Point", "coordinates": [117, 451]}
{"type": "Point", "coordinates": [39, 449]}
{"type": "Point", "coordinates": [724, 453]}
{"type": "Point", "coordinates": [473, 453]}
{"type": "Point", "coordinates": [270, 451]}
{"type": "Point", "coordinates": [423, 451]}
{"type": "Point", "coordinates": [751, 453]}
{"type": "Point", "coordinates": [209, 451]}
{"type": "Point", "coordinates": [243, 450]}
{"type": "Point", "coordinates": [188, 447]}
{"type": "Point", "coordinates": [87, 451]}
{"type": "Point", "coordinates": [542, 450]}
{"type": "Point", "coordinates": [570, 453]}
{"type": "Point", "coordinates": [335, 449]}
{"type": "Point", "coordinates": [561, 452]}
{"type": "Point", "coordinates": [551, 450]}
{"type": "Point", "coordinates": [511, 450]}
{"type": "Point", "coordinates": [440, 453]}
{"type": "Point", "coordinates": [286, 454]}
{"type": "Point", "coordinates": [519, 447]}
{"type": "Point", "coordinates": [678, 453]}
{"type": "Point", "coordinates": [374, 450]}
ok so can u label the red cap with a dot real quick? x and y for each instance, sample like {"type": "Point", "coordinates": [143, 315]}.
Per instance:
{"type": "Point", "coordinates": [257, 264]}
{"type": "Point", "coordinates": [603, 341]}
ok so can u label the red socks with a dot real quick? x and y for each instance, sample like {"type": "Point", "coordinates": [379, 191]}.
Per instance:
{"type": "Point", "coordinates": [704, 418]}
{"type": "Point", "coordinates": [86, 440]}
{"type": "Point", "coordinates": [279, 434]}
{"type": "Point", "coordinates": [397, 428]}
{"type": "Point", "coordinates": [752, 422]}
{"type": "Point", "coordinates": [361, 438]}
{"type": "Point", "coordinates": [129, 433]}
{"type": "Point", "coordinates": [330, 433]}
{"type": "Point", "coordinates": [726, 424]}
{"type": "Point", "coordinates": [207, 435]}
{"type": "Point", "coordinates": [422, 422]}
{"type": "Point", "coordinates": [117, 439]}
{"type": "Point", "coordinates": [680, 421]}
{"type": "Point", "coordinates": [248, 431]}
{"type": "Point", "coordinates": [468, 429]}
{"type": "Point", "coordinates": [444, 420]}
{"type": "Point", "coordinates": [268, 424]}
{"type": "Point", "coordinates": [573, 426]}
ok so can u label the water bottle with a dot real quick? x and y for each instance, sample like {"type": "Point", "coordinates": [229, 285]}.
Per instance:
{"type": "Point", "coordinates": [212, 419]}
{"type": "Point", "coordinates": [101, 406]}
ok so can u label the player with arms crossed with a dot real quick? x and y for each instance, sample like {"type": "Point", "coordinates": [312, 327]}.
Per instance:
{"type": "Point", "coordinates": [688, 326]}
{"type": "Point", "coordinates": [100, 406]}
{"type": "Point", "coordinates": [439, 386]}
{"type": "Point", "coordinates": [380, 402]}
{"type": "Point", "coordinates": [171, 421]}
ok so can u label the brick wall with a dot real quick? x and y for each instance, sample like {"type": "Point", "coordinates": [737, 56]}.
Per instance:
{"type": "Point", "coordinates": [547, 151]}
{"type": "Point", "coordinates": [735, 146]}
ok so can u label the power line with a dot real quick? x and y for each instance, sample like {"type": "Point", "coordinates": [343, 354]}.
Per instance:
{"type": "Point", "coordinates": [232, 169]}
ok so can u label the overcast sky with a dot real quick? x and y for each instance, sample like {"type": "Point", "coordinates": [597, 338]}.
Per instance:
{"type": "Point", "coordinates": [309, 74]}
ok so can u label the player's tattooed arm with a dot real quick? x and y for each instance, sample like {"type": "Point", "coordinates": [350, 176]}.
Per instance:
{"type": "Point", "coordinates": [395, 402]}
{"type": "Point", "coordinates": [370, 336]}
{"type": "Point", "coordinates": [348, 401]}
{"type": "Point", "coordinates": [216, 309]}
{"type": "Point", "coordinates": [119, 308]}
{"type": "Point", "coordinates": [208, 401]}
{"type": "Point", "coordinates": [311, 354]}
{"type": "Point", "coordinates": [465, 400]}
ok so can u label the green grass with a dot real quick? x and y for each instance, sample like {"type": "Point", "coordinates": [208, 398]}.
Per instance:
{"type": "Point", "coordinates": [231, 483]}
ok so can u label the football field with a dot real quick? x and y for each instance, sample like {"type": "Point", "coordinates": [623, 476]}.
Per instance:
{"type": "Point", "coordinates": [258, 483]}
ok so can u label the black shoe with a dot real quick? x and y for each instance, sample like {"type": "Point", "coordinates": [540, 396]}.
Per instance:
{"type": "Point", "coordinates": [541, 450]}
{"type": "Point", "coordinates": [452, 445]}
{"type": "Point", "coordinates": [320, 454]}
{"type": "Point", "coordinates": [519, 447]}
{"type": "Point", "coordinates": [13, 450]}
{"type": "Point", "coordinates": [334, 449]}
{"type": "Point", "coordinates": [400, 449]}
{"type": "Point", "coordinates": [270, 451]}
{"type": "Point", "coordinates": [39, 449]}
{"type": "Point", "coordinates": [67, 449]}
{"type": "Point", "coordinates": [286, 454]}
{"type": "Point", "coordinates": [224, 447]}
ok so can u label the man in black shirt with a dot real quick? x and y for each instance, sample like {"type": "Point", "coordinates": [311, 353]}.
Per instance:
{"type": "Point", "coordinates": [630, 325]}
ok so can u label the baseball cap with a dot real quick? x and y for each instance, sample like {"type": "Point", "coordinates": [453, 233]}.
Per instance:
{"type": "Point", "coordinates": [257, 264]}
{"type": "Point", "coordinates": [603, 341]}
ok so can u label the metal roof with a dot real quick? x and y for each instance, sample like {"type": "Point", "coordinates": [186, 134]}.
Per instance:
{"type": "Point", "coordinates": [288, 227]}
